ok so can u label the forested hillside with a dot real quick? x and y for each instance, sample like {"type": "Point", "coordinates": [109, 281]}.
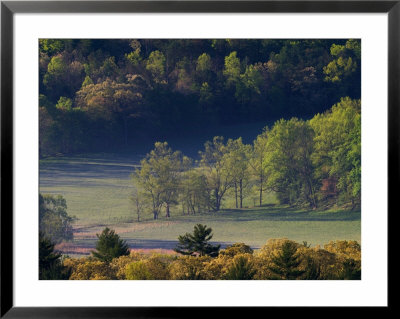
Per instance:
{"type": "Point", "coordinates": [102, 95]}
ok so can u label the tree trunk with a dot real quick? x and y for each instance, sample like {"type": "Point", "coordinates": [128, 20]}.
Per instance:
{"type": "Point", "coordinates": [311, 191]}
{"type": "Point", "coordinates": [155, 214]}
{"type": "Point", "coordinates": [167, 211]}
{"type": "Point", "coordinates": [261, 190]}
{"type": "Point", "coordinates": [241, 193]}
{"type": "Point", "coordinates": [236, 195]}
{"type": "Point", "coordinates": [217, 200]}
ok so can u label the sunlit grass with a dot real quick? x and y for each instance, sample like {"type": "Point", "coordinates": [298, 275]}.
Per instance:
{"type": "Point", "coordinates": [97, 190]}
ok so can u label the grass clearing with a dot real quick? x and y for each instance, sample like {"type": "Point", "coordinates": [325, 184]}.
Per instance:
{"type": "Point", "coordinates": [97, 190]}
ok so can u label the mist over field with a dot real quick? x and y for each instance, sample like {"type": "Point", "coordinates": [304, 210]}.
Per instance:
{"type": "Point", "coordinates": [200, 159]}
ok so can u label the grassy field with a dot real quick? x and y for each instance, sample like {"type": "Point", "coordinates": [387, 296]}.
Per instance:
{"type": "Point", "coordinates": [97, 190]}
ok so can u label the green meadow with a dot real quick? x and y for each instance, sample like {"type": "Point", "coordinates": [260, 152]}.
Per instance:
{"type": "Point", "coordinates": [97, 190]}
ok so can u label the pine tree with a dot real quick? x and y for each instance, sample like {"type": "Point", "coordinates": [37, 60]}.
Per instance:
{"type": "Point", "coordinates": [110, 246]}
{"type": "Point", "coordinates": [50, 266]}
{"type": "Point", "coordinates": [285, 264]}
{"type": "Point", "coordinates": [241, 269]}
{"type": "Point", "coordinates": [197, 243]}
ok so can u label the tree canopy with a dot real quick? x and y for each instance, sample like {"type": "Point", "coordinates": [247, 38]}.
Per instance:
{"type": "Point", "coordinates": [97, 95]}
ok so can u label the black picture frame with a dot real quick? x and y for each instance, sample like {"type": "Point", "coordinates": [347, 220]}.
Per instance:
{"type": "Point", "coordinates": [9, 8]}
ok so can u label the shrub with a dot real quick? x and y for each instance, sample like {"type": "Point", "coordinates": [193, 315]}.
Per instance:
{"type": "Point", "coordinates": [118, 265]}
{"type": "Point", "coordinates": [89, 269]}
{"type": "Point", "coordinates": [189, 268]}
{"type": "Point", "coordinates": [235, 249]}
{"type": "Point", "coordinates": [138, 270]}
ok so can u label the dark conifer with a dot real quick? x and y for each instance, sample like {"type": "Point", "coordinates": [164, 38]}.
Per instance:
{"type": "Point", "coordinates": [110, 246]}
{"type": "Point", "coordinates": [197, 243]}
{"type": "Point", "coordinates": [50, 265]}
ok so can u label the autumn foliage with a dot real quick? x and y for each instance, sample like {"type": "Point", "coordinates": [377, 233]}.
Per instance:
{"type": "Point", "coordinates": [278, 259]}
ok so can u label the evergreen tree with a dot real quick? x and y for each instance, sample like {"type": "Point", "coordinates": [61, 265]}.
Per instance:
{"type": "Point", "coordinates": [241, 269]}
{"type": "Point", "coordinates": [50, 266]}
{"type": "Point", "coordinates": [110, 246]}
{"type": "Point", "coordinates": [285, 264]}
{"type": "Point", "coordinates": [197, 243]}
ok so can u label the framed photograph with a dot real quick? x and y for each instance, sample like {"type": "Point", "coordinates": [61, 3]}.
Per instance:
{"type": "Point", "coordinates": [162, 157]}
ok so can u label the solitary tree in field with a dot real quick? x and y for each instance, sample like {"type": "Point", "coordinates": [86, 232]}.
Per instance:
{"type": "Point", "coordinates": [110, 246]}
{"type": "Point", "coordinates": [197, 243]}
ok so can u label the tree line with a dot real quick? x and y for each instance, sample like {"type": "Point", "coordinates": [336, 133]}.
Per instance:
{"type": "Point", "coordinates": [313, 163]}
{"type": "Point", "coordinates": [104, 94]}
{"type": "Point", "coordinates": [278, 259]}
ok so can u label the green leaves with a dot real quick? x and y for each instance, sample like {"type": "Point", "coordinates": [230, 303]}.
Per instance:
{"type": "Point", "coordinates": [290, 146]}
{"type": "Point", "coordinates": [156, 65]}
{"type": "Point", "coordinates": [232, 68]}
{"type": "Point", "coordinates": [347, 61]}
{"type": "Point", "coordinates": [160, 175]}
{"type": "Point", "coordinates": [337, 142]}
{"type": "Point", "coordinates": [54, 221]}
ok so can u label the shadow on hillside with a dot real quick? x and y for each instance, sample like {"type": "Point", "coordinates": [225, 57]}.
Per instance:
{"type": "Point", "coordinates": [83, 174]}
{"type": "Point", "coordinates": [276, 213]}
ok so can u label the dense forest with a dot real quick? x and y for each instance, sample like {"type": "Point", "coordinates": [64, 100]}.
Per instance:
{"type": "Point", "coordinates": [108, 95]}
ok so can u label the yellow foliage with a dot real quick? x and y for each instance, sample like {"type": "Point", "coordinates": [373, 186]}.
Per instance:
{"type": "Point", "coordinates": [189, 268]}
{"type": "Point", "coordinates": [154, 267]}
{"type": "Point", "coordinates": [138, 271]}
{"type": "Point", "coordinates": [237, 248]}
{"type": "Point", "coordinates": [89, 269]}
{"type": "Point", "coordinates": [118, 265]}
{"type": "Point", "coordinates": [337, 260]}
{"type": "Point", "coordinates": [344, 248]}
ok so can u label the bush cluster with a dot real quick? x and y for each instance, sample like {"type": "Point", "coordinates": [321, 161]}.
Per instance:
{"type": "Point", "coordinates": [278, 259]}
